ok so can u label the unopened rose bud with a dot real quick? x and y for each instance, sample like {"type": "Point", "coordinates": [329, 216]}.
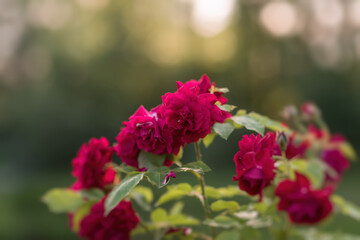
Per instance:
{"type": "Point", "coordinates": [310, 111]}
{"type": "Point", "coordinates": [168, 176]}
{"type": "Point", "coordinates": [282, 140]}
{"type": "Point", "coordinates": [289, 112]}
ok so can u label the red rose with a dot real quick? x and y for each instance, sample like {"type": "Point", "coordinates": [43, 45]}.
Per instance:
{"type": "Point", "coordinates": [89, 165]}
{"type": "Point", "coordinates": [256, 143]}
{"type": "Point", "coordinates": [254, 165]}
{"type": "Point", "coordinates": [148, 131]}
{"type": "Point", "coordinates": [126, 147]}
{"type": "Point", "coordinates": [117, 225]}
{"type": "Point", "coordinates": [303, 204]}
{"type": "Point", "coordinates": [337, 161]}
{"type": "Point", "coordinates": [151, 132]}
{"type": "Point", "coordinates": [205, 86]}
{"type": "Point", "coordinates": [189, 113]}
{"type": "Point", "coordinates": [296, 150]}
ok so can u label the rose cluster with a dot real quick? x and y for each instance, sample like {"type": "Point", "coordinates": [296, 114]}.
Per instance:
{"type": "Point", "coordinates": [256, 169]}
{"type": "Point", "coordinates": [280, 159]}
{"type": "Point", "coordinates": [92, 170]}
{"type": "Point", "coordinates": [184, 116]}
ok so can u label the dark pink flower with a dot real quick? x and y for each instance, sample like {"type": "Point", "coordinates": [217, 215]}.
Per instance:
{"type": "Point", "coordinates": [151, 132]}
{"type": "Point", "coordinates": [117, 225]}
{"type": "Point", "coordinates": [126, 147]}
{"type": "Point", "coordinates": [337, 161]}
{"type": "Point", "coordinates": [296, 149]}
{"type": "Point", "coordinates": [257, 143]}
{"type": "Point", "coordinates": [89, 166]}
{"type": "Point", "coordinates": [302, 203]}
{"type": "Point", "coordinates": [205, 86]}
{"type": "Point", "coordinates": [146, 131]}
{"type": "Point", "coordinates": [317, 133]}
{"type": "Point", "coordinates": [254, 165]}
{"type": "Point", "coordinates": [189, 113]}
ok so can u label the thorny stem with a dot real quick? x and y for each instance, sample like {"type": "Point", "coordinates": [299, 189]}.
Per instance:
{"type": "Point", "coordinates": [203, 193]}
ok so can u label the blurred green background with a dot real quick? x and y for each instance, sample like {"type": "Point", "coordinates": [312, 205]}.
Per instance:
{"type": "Point", "coordinates": [75, 69]}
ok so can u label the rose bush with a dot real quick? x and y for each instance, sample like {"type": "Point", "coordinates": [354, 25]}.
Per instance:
{"type": "Point", "coordinates": [286, 174]}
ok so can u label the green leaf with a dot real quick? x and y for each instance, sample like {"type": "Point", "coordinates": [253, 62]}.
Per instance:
{"type": "Point", "coordinates": [80, 213]}
{"type": "Point", "coordinates": [314, 234]}
{"type": "Point", "coordinates": [125, 169]}
{"type": "Point", "coordinates": [95, 194]}
{"type": "Point", "coordinates": [142, 196]}
{"type": "Point", "coordinates": [313, 169]}
{"type": "Point", "coordinates": [198, 166]}
{"type": "Point", "coordinates": [231, 191]}
{"type": "Point", "coordinates": [61, 200]}
{"type": "Point", "coordinates": [240, 112]}
{"type": "Point", "coordinates": [159, 215]}
{"type": "Point", "coordinates": [266, 206]}
{"type": "Point", "coordinates": [122, 190]}
{"type": "Point", "coordinates": [249, 123]}
{"type": "Point", "coordinates": [224, 205]}
{"type": "Point", "coordinates": [182, 220]}
{"type": "Point", "coordinates": [222, 221]}
{"type": "Point", "coordinates": [247, 214]}
{"type": "Point", "coordinates": [178, 157]}
{"type": "Point", "coordinates": [150, 161]}
{"type": "Point", "coordinates": [174, 193]}
{"type": "Point", "coordinates": [316, 172]}
{"type": "Point", "coordinates": [347, 208]}
{"type": "Point", "coordinates": [223, 129]}
{"type": "Point", "coordinates": [348, 151]}
{"type": "Point", "coordinates": [267, 122]}
{"type": "Point", "coordinates": [177, 208]}
{"type": "Point", "coordinates": [228, 235]}
{"type": "Point", "coordinates": [211, 192]}
{"type": "Point", "coordinates": [145, 191]}
{"type": "Point", "coordinates": [226, 107]}
{"type": "Point", "coordinates": [157, 176]}
{"type": "Point", "coordinates": [209, 139]}
{"type": "Point", "coordinates": [222, 90]}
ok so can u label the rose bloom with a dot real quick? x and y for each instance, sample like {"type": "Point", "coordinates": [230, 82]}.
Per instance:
{"type": "Point", "coordinates": [296, 149]}
{"type": "Point", "coordinates": [89, 166]}
{"type": "Point", "coordinates": [117, 225]}
{"type": "Point", "coordinates": [338, 162]}
{"type": "Point", "coordinates": [151, 132]}
{"type": "Point", "coordinates": [205, 86]}
{"type": "Point", "coordinates": [190, 113]}
{"type": "Point", "coordinates": [254, 165]}
{"type": "Point", "coordinates": [301, 202]}
{"type": "Point", "coordinates": [148, 131]}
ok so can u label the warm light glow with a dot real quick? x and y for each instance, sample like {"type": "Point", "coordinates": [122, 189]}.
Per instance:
{"type": "Point", "coordinates": [329, 13]}
{"type": "Point", "coordinates": [50, 14]}
{"type": "Point", "coordinates": [93, 4]}
{"type": "Point", "coordinates": [210, 17]}
{"type": "Point", "coordinates": [279, 18]}
{"type": "Point", "coordinates": [354, 13]}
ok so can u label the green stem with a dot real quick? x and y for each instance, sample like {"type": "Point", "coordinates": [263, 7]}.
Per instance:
{"type": "Point", "coordinates": [203, 193]}
{"type": "Point", "coordinates": [148, 231]}
{"type": "Point", "coordinates": [287, 229]}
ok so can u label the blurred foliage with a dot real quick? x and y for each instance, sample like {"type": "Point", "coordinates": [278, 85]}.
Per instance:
{"type": "Point", "coordinates": [71, 70]}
